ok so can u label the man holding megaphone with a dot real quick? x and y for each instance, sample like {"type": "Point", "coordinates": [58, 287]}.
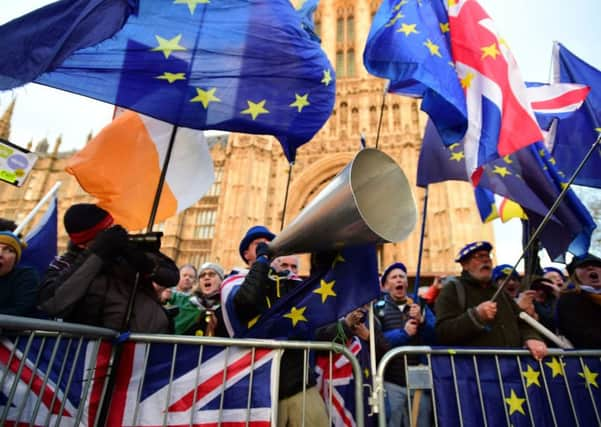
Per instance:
{"type": "Point", "coordinates": [246, 296]}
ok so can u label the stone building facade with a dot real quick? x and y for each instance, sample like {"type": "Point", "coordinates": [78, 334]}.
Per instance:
{"type": "Point", "coordinates": [251, 171]}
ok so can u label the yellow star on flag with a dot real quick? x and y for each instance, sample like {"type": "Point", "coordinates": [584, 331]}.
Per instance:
{"type": "Point", "coordinates": [507, 159]}
{"type": "Point", "coordinates": [556, 367]}
{"type": "Point", "coordinates": [453, 146]}
{"type": "Point", "coordinates": [339, 258]}
{"type": "Point", "coordinates": [501, 170]}
{"type": "Point", "coordinates": [172, 77]}
{"type": "Point", "coordinates": [589, 376]}
{"type": "Point", "coordinates": [433, 48]}
{"type": "Point", "coordinates": [205, 96]}
{"type": "Point", "coordinates": [254, 109]}
{"type": "Point", "coordinates": [394, 19]}
{"type": "Point", "coordinates": [191, 4]}
{"type": "Point", "coordinates": [444, 27]}
{"type": "Point", "coordinates": [598, 130]}
{"type": "Point", "coordinates": [325, 290]}
{"type": "Point", "coordinates": [541, 152]}
{"type": "Point", "coordinates": [167, 46]}
{"type": "Point", "coordinates": [407, 29]}
{"type": "Point", "coordinates": [531, 376]}
{"type": "Point", "coordinates": [457, 156]}
{"type": "Point", "coordinates": [296, 315]}
{"type": "Point", "coordinates": [490, 51]}
{"type": "Point", "coordinates": [300, 102]}
{"type": "Point", "coordinates": [466, 81]}
{"type": "Point", "coordinates": [552, 160]}
{"type": "Point", "coordinates": [327, 77]}
{"type": "Point", "coordinates": [515, 403]}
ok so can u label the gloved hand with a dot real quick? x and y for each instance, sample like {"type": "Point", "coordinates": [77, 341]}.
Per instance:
{"type": "Point", "coordinates": [139, 260]}
{"type": "Point", "coordinates": [262, 250]}
{"type": "Point", "coordinates": [110, 242]}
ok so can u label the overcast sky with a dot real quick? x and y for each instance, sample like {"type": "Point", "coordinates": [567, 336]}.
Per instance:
{"type": "Point", "coordinates": [529, 26]}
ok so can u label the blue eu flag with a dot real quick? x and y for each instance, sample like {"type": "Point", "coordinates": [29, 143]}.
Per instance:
{"type": "Point", "coordinates": [350, 282]}
{"type": "Point", "coordinates": [237, 65]}
{"type": "Point", "coordinates": [577, 133]}
{"type": "Point", "coordinates": [42, 241]}
{"type": "Point", "coordinates": [408, 44]}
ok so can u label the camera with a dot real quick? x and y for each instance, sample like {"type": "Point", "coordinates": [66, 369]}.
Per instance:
{"type": "Point", "coordinates": [147, 242]}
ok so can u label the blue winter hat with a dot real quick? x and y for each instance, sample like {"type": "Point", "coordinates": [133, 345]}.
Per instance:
{"type": "Point", "coordinates": [553, 270]}
{"type": "Point", "coordinates": [470, 248]}
{"type": "Point", "coordinates": [254, 233]}
{"type": "Point", "coordinates": [504, 270]}
{"type": "Point", "coordinates": [391, 267]}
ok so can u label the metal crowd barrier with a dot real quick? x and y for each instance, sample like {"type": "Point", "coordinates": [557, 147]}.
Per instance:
{"type": "Point", "coordinates": [489, 387]}
{"type": "Point", "coordinates": [55, 373]}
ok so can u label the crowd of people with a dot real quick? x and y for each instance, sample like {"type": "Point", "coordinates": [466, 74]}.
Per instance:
{"type": "Point", "coordinates": [107, 279]}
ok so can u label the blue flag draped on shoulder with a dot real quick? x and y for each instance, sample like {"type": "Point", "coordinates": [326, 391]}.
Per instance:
{"type": "Point", "coordinates": [350, 282]}
{"type": "Point", "coordinates": [236, 65]}
{"type": "Point", "coordinates": [42, 241]}
{"type": "Point", "coordinates": [576, 134]}
{"type": "Point", "coordinates": [406, 45]}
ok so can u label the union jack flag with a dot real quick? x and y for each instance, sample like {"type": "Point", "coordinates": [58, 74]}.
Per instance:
{"type": "Point", "coordinates": [338, 380]}
{"type": "Point", "coordinates": [51, 381]}
{"type": "Point", "coordinates": [500, 118]}
{"type": "Point", "coordinates": [175, 385]}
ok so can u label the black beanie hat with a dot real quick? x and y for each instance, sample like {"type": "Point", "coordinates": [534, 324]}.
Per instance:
{"type": "Point", "coordinates": [84, 221]}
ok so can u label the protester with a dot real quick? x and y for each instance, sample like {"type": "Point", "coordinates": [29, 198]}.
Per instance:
{"type": "Point", "coordinates": [556, 276]}
{"type": "Point", "coordinates": [404, 322]}
{"type": "Point", "coordinates": [466, 315]}
{"type": "Point", "coordinates": [505, 273]}
{"type": "Point", "coordinates": [188, 279]}
{"type": "Point", "coordinates": [93, 281]}
{"type": "Point", "coordinates": [284, 263]}
{"type": "Point", "coordinates": [200, 313]}
{"type": "Point", "coordinates": [545, 301]}
{"type": "Point", "coordinates": [579, 309]}
{"type": "Point", "coordinates": [246, 297]}
{"type": "Point", "coordinates": [18, 285]}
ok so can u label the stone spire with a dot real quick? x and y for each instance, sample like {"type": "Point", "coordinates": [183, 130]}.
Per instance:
{"type": "Point", "coordinates": [6, 119]}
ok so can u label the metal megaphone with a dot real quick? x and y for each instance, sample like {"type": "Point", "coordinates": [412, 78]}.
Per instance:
{"type": "Point", "coordinates": [369, 201]}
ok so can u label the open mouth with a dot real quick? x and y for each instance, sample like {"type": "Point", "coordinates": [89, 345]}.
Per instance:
{"type": "Point", "coordinates": [593, 275]}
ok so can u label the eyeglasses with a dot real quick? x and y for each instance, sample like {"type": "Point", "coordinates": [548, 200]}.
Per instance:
{"type": "Point", "coordinates": [207, 274]}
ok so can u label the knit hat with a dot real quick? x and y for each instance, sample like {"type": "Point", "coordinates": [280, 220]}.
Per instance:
{"type": "Point", "coordinates": [581, 261]}
{"type": "Point", "coordinates": [211, 266]}
{"type": "Point", "coordinates": [470, 248]}
{"type": "Point", "coordinates": [10, 239]}
{"type": "Point", "coordinates": [391, 267]}
{"type": "Point", "coordinates": [553, 270]}
{"type": "Point", "coordinates": [254, 233]}
{"type": "Point", "coordinates": [503, 270]}
{"type": "Point", "coordinates": [84, 221]}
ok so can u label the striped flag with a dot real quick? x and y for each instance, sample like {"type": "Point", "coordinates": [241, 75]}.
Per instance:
{"type": "Point", "coordinates": [121, 167]}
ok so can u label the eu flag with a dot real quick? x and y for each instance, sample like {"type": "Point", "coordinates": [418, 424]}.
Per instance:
{"type": "Point", "coordinates": [408, 44]}
{"type": "Point", "coordinates": [42, 241]}
{"type": "Point", "coordinates": [350, 282]}
{"type": "Point", "coordinates": [238, 65]}
{"type": "Point", "coordinates": [577, 133]}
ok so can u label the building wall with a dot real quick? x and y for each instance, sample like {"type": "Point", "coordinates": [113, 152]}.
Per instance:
{"type": "Point", "coordinates": [252, 171]}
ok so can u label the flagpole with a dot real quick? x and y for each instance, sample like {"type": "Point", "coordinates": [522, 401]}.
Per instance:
{"type": "Point", "coordinates": [286, 195]}
{"type": "Point", "coordinates": [421, 243]}
{"type": "Point", "coordinates": [161, 183]}
{"type": "Point", "coordinates": [549, 214]}
{"type": "Point", "coordinates": [381, 113]}
{"type": "Point", "coordinates": [37, 207]}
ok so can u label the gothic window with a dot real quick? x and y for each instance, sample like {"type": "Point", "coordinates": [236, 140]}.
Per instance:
{"type": "Point", "coordinates": [350, 63]}
{"type": "Point", "coordinates": [355, 122]}
{"type": "Point", "coordinates": [396, 116]}
{"type": "Point", "coordinates": [373, 118]}
{"type": "Point", "coordinates": [205, 224]}
{"type": "Point", "coordinates": [385, 121]}
{"type": "Point", "coordinates": [340, 71]}
{"type": "Point", "coordinates": [332, 123]}
{"type": "Point", "coordinates": [350, 29]}
{"type": "Point", "coordinates": [343, 115]}
{"type": "Point", "coordinates": [340, 30]}
{"type": "Point", "coordinates": [215, 189]}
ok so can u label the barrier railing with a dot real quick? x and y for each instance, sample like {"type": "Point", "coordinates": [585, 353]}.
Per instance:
{"type": "Point", "coordinates": [487, 387]}
{"type": "Point", "coordinates": [55, 373]}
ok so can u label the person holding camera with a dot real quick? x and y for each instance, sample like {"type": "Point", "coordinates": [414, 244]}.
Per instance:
{"type": "Point", "coordinates": [105, 277]}
{"type": "Point", "coordinates": [404, 321]}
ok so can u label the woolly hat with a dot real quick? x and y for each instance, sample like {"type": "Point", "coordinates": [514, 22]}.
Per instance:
{"type": "Point", "coordinates": [581, 261]}
{"type": "Point", "coordinates": [254, 233]}
{"type": "Point", "coordinates": [391, 267]}
{"type": "Point", "coordinates": [211, 266]}
{"type": "Point", "coordinates": [503, 270]}
{"type": "Point", "coordinates": [10, 239]}
{"type": "Point", "coordinates": [553, 270]}
{"type": "Point", "coordinates": [84, 221]}
{"type": "Point", "coordinates": [470, 248]}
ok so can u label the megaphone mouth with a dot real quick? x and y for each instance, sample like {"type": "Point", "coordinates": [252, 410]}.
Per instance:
{"type": "Point", "coordinates": [382, 195]}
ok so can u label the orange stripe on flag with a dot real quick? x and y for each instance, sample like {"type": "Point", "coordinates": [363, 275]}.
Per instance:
{"type": "Point", "coordinates": [121, 168]}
